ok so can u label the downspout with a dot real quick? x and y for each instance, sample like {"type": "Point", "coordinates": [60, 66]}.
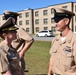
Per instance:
{"type": "Point", "coordinates": [72, 18]}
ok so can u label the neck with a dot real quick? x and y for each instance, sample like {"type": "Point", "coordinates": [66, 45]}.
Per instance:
{"type": "Point", "coordinates": [65, 32]}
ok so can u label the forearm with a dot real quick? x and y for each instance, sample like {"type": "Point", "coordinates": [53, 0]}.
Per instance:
{"type": "Point", "coordinates": [50, 67]}
{"type": "Point", "coordinates": [25, 48]}
{"type": "Point", "coordinates": [6, 73]}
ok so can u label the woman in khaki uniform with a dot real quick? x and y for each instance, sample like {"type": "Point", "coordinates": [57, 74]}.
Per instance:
{"type": "Point", "coordinates": [24, 40]}
{"type": "Point", "coordinates": [63, 49]}
{"type": "Point", "coordinates": [9, 58]}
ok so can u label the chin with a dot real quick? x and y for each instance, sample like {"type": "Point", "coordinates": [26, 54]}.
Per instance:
{"type": "Point", "coordinates": [58, 29]}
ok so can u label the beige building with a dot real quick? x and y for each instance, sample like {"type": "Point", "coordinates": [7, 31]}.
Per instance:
{"type": "Point", "coordinates": [43, 17]}
{"type": "Point", "coordinates": [35, 20]}
{"type": "Point", "coordinates": [25, 20]}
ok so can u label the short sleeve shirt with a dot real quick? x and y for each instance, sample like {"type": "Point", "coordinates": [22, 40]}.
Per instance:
{"type": "Point", "coordinates": [9, 60]}
{"type": "Point", "coordinates": [64, 55]}
{"type": "Point", "coordinates": [22, 38]}
{"type": "Point", "coordinates": [4, 63]}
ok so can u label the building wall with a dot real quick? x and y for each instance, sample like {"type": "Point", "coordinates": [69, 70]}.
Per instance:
{"type": "Point", "coordinates": [74, 19]}
{"type": "Point", "coordinates": [41, 18]}
{"type": "Point", "coordinates": [29, 26]}
{"type": "Point", "coordinates": [68, 6]}
{"type": "Point", "coordinates": [1, 19]}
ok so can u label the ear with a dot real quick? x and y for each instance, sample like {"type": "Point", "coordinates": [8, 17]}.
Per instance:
{"type": "Point", "coordinates": [4, 35]}
{"type": "Point", "coordinates": [66, 21]}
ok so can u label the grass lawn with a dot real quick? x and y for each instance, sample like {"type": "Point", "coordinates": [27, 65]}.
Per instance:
{"type": "Point", "coordinates": [37, 58]}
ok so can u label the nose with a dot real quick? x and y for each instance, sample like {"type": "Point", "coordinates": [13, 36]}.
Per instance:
{"type": "Point", "coordinates": [56, 24]}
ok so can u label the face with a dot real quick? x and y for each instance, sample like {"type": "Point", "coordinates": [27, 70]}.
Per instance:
{"type": "Point", "coordinates": [61, 24]}
{"type": "Point", "coordinates": [12, 35]}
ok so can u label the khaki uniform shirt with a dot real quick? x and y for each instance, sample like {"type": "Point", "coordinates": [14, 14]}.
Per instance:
{"type": "Point", "coordinates": [9, 60]}
{"type": "Point", "coordinates": [22, 38]}
{"type": "Point", "coordinates": [19, 43]}
{"type": "Point", "coordinates": [64, 55]}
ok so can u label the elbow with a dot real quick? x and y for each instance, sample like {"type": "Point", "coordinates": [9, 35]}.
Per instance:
{"type": "Point", "coordinates": [32, 39]}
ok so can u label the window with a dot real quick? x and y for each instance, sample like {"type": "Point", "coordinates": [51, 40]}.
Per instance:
{"type": "Point", "coordinates": [75, 28]}
{"type": "Point", "coordinates": [52, 11]}
{"type": "Point", "coordinates": [27, 22]}
{"type": "Point", "coordinates": [65, 7]}
{"type": "Point", "coordinates": [52, 21]}
{"type": "Point", "coordinates": [20, 16]}
{"type": "Point", "coordinates": [37, 29]}
{"type": "Point", "coordinates": [43, 31]}
{"type": "Point", "coordinates": [37, 13]}
{"type": "Point", "coordinates": [45, 21]}
{"type": "Point", "coordinates": [45, 28]}
{"type": "Point", "coordinates": [53, 29]}
{"type": "Point", "coordinates": [45, 12]}
{"type": "Point", "coordinates": [75, 8]}
{"type": "Point", "coordinates": [20, 22]}
{"type": "Point", "coordinates": [27, 14]}
{"type": "Point", "coordinates": [75, 18]}
{"type": "Point", "coordinates": [27, 29]}
{"type": "Point", "coordinates": [37, 21]}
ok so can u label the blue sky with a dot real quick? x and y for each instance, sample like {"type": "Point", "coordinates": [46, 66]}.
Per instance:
{"type": "Point", "coordinates": [17, 5]}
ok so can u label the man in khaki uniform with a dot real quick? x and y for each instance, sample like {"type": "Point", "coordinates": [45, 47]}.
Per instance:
{"type": "Point", "coordinates": [63, 49]}
{"type": "Point", "coordinates": [24, 40]}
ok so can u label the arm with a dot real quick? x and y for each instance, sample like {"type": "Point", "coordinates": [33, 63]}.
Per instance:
{"type": "Point", "coordinates": [26, 37]}
{"type": "Point", "coordinates": [50, 67]}
{"type": "Point", "coordinates": [6, 73]}
{"type": "Point", "coordinates": [25, 48]}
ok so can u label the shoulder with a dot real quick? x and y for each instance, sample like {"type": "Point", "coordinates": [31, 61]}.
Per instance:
{"type": "Point", "coordinates": [20, 30]}
{"type": "Point", "coordinates": [4, 47]}
{"type": "Point", "coordinates": [2, 44]}
{"type": "Point", "coordinates": [55, 38]}
{"type": "Point", "coordinates": [74, 37]}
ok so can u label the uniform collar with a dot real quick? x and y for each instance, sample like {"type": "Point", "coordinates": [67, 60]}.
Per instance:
{"type": "Point", "coordinates": [68, 37]}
